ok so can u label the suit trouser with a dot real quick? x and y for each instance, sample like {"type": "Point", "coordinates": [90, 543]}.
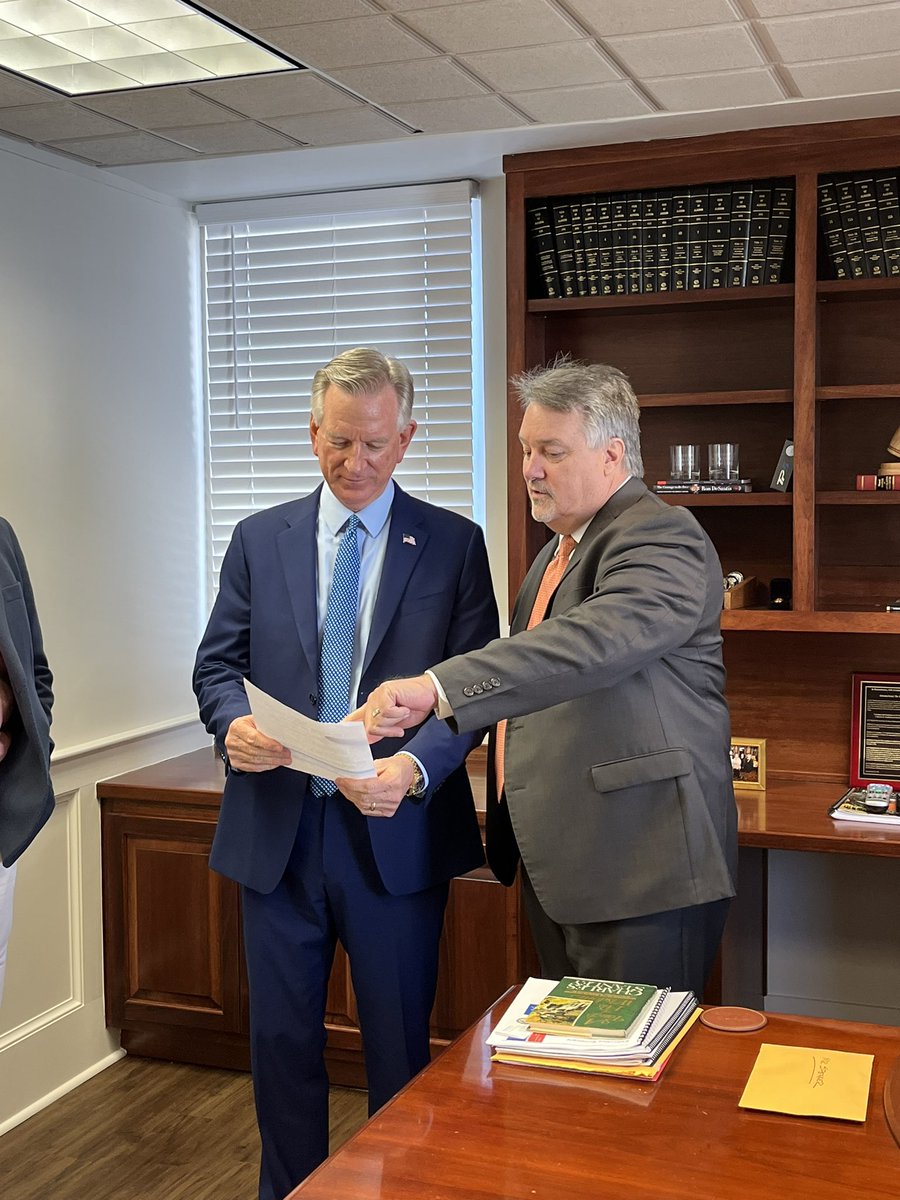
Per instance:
{"type": "Point", "coordinates": [330, 891]}
{"type": "Point", "coordinates": [669, 949]}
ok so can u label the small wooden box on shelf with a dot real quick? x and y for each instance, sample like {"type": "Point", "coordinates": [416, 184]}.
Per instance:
{"type": "Point", "coordinates": [811, 357]}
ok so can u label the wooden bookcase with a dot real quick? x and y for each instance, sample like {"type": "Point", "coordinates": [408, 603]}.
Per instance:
{"type": "Point", "coordinates": [813, 359]}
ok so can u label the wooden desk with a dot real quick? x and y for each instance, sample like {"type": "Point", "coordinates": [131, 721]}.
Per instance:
{"type": "Point", "coordinates": [789, 815]}
{"type": "Point", "coordinates": [173, 959]}
{"type": "Point", "coordinates": [466, 1128]}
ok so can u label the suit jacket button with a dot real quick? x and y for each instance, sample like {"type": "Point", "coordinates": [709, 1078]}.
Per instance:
{"type": "Point", "coordinates": [477, 689]}
{"type": "Point", "coordinates": [486, 684]}
{"type": "Point", "coordinates": [495, 681]}
{"type": "Point", "coordinates": [467, 691]}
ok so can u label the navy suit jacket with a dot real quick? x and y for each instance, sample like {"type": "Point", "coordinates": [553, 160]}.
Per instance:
{"type": "Point", "coordinates": [435, 599]}
{"type": "Point", "coordinates": [26, 795]}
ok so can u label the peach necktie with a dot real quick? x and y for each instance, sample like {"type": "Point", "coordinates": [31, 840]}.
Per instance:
{"type": "Point", "coordinates": [553, 573]}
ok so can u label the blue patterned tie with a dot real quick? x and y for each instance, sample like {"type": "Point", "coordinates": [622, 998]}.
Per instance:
{"type": "Point", "coordinates": [338, 638]}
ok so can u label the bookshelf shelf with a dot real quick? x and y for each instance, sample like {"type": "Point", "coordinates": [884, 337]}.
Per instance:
{"type": "Point", "coordinates": [692, 399]}
{"type": "Point", "coordinates": [700, 297]}
{"type": "Point", "coordinates": [860, 391]}
{"type": "Point", "coordinates": [762, 620]}
{"type": "Point", "coordinates": [813, 360]}
{"type": "Point", "coordinates": [733, 500]}
{"type": "Point", "coordinates": [854, 497]}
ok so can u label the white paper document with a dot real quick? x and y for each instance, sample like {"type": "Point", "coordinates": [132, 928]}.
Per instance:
{"type": "Point", "coordinates": [330, 751]}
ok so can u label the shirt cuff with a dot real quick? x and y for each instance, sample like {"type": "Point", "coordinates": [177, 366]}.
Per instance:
{"type": "Point", "coordinates": [443, 709]}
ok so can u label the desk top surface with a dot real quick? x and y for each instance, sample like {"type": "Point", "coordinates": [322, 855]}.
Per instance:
{"type": "Point", "coordinates": [467, 1129]}
{"type": "Point", "coordinates": [787, 816]}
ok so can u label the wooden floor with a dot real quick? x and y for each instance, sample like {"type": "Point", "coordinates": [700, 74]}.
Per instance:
{"type": "Point", "coordinates": [148, 1130]}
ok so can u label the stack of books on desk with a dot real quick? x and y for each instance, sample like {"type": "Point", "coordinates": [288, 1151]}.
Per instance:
{"type": "Point", "coordinates": [642, 1053]}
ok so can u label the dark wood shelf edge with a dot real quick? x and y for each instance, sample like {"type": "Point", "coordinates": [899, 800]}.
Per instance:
{"type": "Point", "coordinates": [837, 622]}
{"type": "Point", "coordinates": [656, 300]}
{"type": "Point", "coordinates": [693, 399]}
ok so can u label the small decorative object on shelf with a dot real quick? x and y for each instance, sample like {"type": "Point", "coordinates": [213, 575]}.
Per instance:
{"type": "Point", "coordinates": [785, 468]}
{"type": "Point", "coordinates": [748, 763]}
{"type": "Point", "coordinates": [739, 592]}
{"type": "Point", "coordinates": [781, 594]}
{"type": "Point", "coordinates": [888, 477]}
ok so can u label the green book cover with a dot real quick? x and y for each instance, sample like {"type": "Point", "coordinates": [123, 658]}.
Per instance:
{"type": "Point", "coordinates": [593, 1007]}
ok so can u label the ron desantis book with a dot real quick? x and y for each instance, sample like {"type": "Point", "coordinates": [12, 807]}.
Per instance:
{"type": "Point", "coordinates": [593, 1007]}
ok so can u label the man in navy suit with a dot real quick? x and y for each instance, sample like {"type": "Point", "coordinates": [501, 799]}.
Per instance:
{"type": "Point", "coordinates": [367, 863]}
{"type": "Point", "coordinates": [26, 699]}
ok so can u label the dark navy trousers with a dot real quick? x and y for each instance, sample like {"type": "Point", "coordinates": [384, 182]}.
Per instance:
{"type": "Point", "coordinates": [331, 891]}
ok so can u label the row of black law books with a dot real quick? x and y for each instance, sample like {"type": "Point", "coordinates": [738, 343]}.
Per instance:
{"type": "Point", "coordinates": [660, 240]}
{"type": "Point", "coordinates": [859, 215]}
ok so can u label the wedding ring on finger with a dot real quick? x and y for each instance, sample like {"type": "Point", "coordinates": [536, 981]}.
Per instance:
{"type": "Point", "coordinates": [376, 713]}
{"type": "Point", "coordinates": [373, 807]}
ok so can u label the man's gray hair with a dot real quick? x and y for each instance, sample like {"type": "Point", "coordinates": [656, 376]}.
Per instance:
{"type": "Point", "coordinates": [602, 395]}
{"type": "Point", "coordinates": [361, 372]}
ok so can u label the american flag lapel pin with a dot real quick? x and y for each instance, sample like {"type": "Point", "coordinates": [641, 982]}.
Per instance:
{"type": "Point", "coordinates": [408, 539]}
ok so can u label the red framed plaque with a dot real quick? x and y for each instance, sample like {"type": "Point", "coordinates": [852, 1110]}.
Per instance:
{"type": "Point", "coordinates": [875, 730]}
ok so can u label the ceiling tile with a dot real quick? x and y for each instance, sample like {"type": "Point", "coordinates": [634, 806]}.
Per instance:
{"type": "Point", "coordinates": [407, 5]}
{"type": "Point", "coordinates": [351, 43]}
{"type": "Point", "coordinates": [231, 138]}
{"type": "Point", "coordinates": [52, 122]}
{"type": "Point", "coordinates": [331, 129]}
{"type": "Point", "coordinates": [459, 116]}
{"type": "Point", "coordinates": [16, 91]}
{"type": "Point", "coordinates": [266, 96]}
{"type": "Point", "coordinates": [836, 35]}
{"type": "Point", "coordinates": [687, 52]}
{"type": "Point", "coordinates": [158, 107]}
{"type": "Point", "coordinates": [565, 64]}
{"type": "Point", "coordinates": [492, 25]}
{"type": "Point", "coordinates": [426, 79]}
{"type": "Point", "coordinates": [724, 89]}
{"type": "Point", "coordinates": [610, 17]}
{"type": "Point", "coordinates": [264, 14]}
{"type": "Point", "coordinates": [128, 148]}
{"type": "Point", "coordinates": [850, 77]}
{"type": "Point", "coordinates": [554, 106]}
{"type": "Point", "coordinates": [782, 8]}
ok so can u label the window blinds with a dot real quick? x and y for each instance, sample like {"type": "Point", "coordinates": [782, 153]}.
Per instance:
{"type": "Point", "coordinates": [291, 282]}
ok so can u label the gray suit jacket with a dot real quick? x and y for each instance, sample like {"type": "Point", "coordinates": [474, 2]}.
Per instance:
{"type": "Point", "coordinates": [26, 795]}
{"type": "Point", "coordinates": [617, 771]}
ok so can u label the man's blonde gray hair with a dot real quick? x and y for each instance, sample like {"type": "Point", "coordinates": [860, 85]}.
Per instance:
{"type": "Point", "coordinates": [602, 395]}
{"type": "Point", "coordinates": [360, 372]}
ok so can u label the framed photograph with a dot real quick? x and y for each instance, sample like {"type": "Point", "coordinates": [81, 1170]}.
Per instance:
{"type": "Point", "coordinates": [875, 730]}
{"type": "Point", "coordinates": [748, 763]}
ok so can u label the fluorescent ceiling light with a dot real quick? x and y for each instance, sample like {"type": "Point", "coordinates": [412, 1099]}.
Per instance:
{"type": "Point", "coordinates": [109, 45]}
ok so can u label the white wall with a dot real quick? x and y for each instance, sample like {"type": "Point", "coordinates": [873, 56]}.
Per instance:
{"type": "Point", "coordinates": [100, 476]}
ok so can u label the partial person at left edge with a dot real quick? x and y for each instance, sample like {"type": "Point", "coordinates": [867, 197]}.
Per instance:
{"type": "Point", "coordinates": [26, 700]}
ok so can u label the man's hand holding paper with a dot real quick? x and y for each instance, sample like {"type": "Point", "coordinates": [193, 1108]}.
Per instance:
{"type": "Point", "coordinates": [278, 736]}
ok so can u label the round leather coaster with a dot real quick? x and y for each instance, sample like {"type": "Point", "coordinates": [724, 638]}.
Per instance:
{"type": "Point", "coordinates": [733, 1020]}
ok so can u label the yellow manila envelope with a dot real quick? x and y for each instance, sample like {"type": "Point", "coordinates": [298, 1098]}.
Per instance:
{"type": "Point", "coordinates": [809, 1083]}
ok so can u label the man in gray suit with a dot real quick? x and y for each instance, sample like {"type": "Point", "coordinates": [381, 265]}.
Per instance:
{"type": "Point", "coordinates": [26, 698]}
{"type": "Point", "coordinates": [611, 778]}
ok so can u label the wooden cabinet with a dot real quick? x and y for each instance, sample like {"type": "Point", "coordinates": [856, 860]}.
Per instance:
{"type": "Point", "coordinates": [174, 974]}
{"type": "Point", "coordinates": [812, 359]}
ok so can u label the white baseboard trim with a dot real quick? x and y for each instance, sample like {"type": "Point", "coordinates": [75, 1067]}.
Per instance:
{"type": "Point", "coordinates": [62, 1090]}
